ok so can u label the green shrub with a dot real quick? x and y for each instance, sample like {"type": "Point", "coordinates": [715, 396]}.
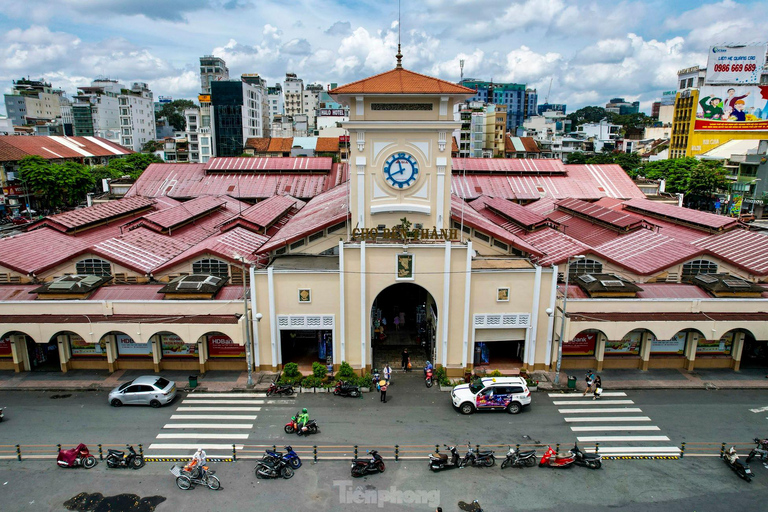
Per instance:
{"type": "Point", "coordinates": [291, 374]}
{"type": "Point", "coordinates": [319, 370]}
{"type": "Point", "coordinates": [531, 382]}
{"type": "Point", "coordinates": [365, 381]}
{"type": "Point", "coordinates": [495, 373]}
{"type": "Point", "coordinates": [441, 377]}
{"type": "Point", "coordinates": [311, 382]}
{"type": "Point", "coordinates": [346, 373]}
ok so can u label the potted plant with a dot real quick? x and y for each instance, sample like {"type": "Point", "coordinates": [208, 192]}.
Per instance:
{"type": "Point", "coordinates": [533, 385]}
{"type": "Point", "coordinates": [365, 382]}
{"type": "Point", "coordinates": [442, 379]}
{"type": "Point", "coordinates": [309, 384]}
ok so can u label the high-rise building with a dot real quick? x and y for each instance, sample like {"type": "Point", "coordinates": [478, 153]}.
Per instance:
{"type": "Point", "coordinates": [275, 99]}
{"type": "Point", "coordinates": [212, 69]}
{"type": "Point", "coordinates": [555, 107]}
{"type": "Point", "coordinates": [96, 111]}
{"type": "Point", "coordinates": [239, 110]}
{"type": "Point", "coordinates": [137, 116]}
{"type": "Point", "coordinates": [621, 107]}
{"type": "Point", "coordinates": [517, 103]}
{"type": "Point", "coordinates": [293, 92]}
{"type": "Point", "coordinates": [310, 100]}
{"type": "Point", "coordinates": [32, 100]}
{"type": "Point", "coordinates": [482, 129]}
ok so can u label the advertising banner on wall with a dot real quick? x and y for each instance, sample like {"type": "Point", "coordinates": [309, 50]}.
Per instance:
{"type": "Point", "coordinates": [629, 345]}
{"type": "Point", "coordinates": [735, 64]}
{"type": "Point", "coordinates": [79, 347]}
{"type": "Point", "coordinates": [715, 347]}
{"type": "Point", "coordinates": [5, 347]}
{"type": "Point", "coordinates": [173, 346]}
{"type": "Point", "coordinates": [583, 344]}
{"type": "Point", "coordinates": [732, 108]}
{"type": "Point", "coordinates": [220, 345]}
{"type": "Point", "coordinates": [675, 346]}
{"type": "Point", "coordinates": [127, 347]}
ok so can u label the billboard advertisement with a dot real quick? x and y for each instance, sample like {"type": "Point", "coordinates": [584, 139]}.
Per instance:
{"type": "Point", "coordinates": [80, 347]}
{"type": "Point", "coordinates": [221, 345]}
{"type": "Point", "coordinates": [5, 347]}
{"type": "Point", "coordinates": [732, 108]}
{"type": "Point", "coordinates": [735, 64]}
{"type": "Point", "coordinates": [583, 344]}
{"type": "Point", "coordinates": [675, 346]}
{"type": "Point", "coordinates": [173, 346]}
{"type": "Point", "coordinates": [127, 347]}
{"type": "Point", "coordinates": [629, 345]}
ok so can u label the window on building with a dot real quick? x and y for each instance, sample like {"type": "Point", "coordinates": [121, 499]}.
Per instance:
{"type": "Point", "coordinates": [586, 266]}
{"type": "Point", "coordinates": [696, 267]}
{"type": "Point", "coordinates": [212, 267]}
{"type": "Point", "coordinates": [94, 267]}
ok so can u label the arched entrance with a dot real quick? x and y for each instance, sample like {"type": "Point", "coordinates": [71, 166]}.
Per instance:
{"type": "Point", "coordinates": [403, 315]}
{"type": "Point", "coordinates": [222, 353]}
{"type": "Point", "coordinates": [43, 357]}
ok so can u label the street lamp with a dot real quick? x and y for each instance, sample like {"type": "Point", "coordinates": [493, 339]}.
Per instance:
{"type": "Point", "coordinates": [247, 325]}
{"type": "Point", "coordinates": [754, 195]}
{"type": "Point", "coordinates": [565, 309]}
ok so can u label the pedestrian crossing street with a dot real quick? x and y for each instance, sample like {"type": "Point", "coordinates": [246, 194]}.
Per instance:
{"type": "Point", "coordinates": [213, 422]}
{"type": "Point", "coordinates": [621, 431]}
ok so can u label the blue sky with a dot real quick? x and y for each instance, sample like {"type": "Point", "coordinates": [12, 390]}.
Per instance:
{"type": "Point", "coordinates": [591, 51]}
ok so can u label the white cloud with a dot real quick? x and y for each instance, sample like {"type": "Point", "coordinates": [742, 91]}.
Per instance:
{"type": "Point", "coordinates": [524, 65]}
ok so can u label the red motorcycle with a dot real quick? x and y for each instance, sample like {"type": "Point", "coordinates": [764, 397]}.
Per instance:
{"type": "Point", "coordinates": [429, 379]}
{"type": "Point", "coordinates": [293, 426]}
{"type": "Point", "coordinates": [556, 460]}
{"type": "Point", "coordinates": [282, 389]}
{"type": "Point", "coordinates": [76, 457]}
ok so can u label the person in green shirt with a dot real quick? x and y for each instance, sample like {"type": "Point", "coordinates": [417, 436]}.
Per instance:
{"type": "Point", "coordinates": [711, 107]}
{"type": "Point", "coordinates": [302, 420]}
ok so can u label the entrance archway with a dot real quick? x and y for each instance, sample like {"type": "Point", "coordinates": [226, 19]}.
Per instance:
{"type": "Point", "coordinates": [43, 357]}
{"type": "Point", "coordinates": [403, 315]}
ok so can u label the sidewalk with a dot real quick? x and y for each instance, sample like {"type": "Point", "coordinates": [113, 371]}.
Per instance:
{"type": "Point", "coordinates": [224, 381]}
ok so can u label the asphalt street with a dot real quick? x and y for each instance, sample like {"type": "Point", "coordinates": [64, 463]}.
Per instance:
{"type": "Point", "coordinates": [413, 415]}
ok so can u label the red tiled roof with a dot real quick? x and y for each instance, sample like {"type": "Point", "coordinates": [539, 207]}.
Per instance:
{"type": "Point", "coordinates": [516, 165]}
{"type": "Point", "coordinates": [555, 246]}
{"type": "Point", "coordinates": [265, 164]}
{"type": "Point", "coordinates": [745, 249]}
{"type": "Point", "coordinates": [127, 319]}
{"type": "Point", "coordinates": [39, 250]}
{"type": "Point", "coordinates": [99, 213]}
{"type": "Point", "coordinates": [327, 145]}
{"type": "Point", "coordinates": [258, 144]}
{"type": "Point", "coordinates": [620, 220]}
{"type": "Point", "coordinates": [543, 206]}
{"type": "Point", "coordinates": [280, 145]}
{"type": "Point", "coordinates": [671, 291]}
{"type": "Point", "coordinates": [514, 212]}
{"type": "Point", "coordinates": [324, 210]}
{"type": "Point", "coordinates": [128, 292]}
{"type": "Point", "coordinates": [529, 144]}
{"type": "Point", "coordinates": [182, 213]}
{"type": "Point", "coordinates": [237, 242]}
{"type": "Point", "coordinates": [18, 292]}
{"type": "Point", "coordinates": [645, 251]}
{"type": "Point", "coordinates": [10, 153]}
{"type": "Point", "coordinates": [230, 293]}
{"type": "Point", "coordinates": [583, 230]}
{"type": "Point", "coordinates": [695, 217]}
{"type": "Point", "coordinates": [670, 317]}
{"type": "Point", "coordinates": [141, 249]}
{"type": "Point", "coordinates": [402, 81]}
{"type": "Point", "coordinates": [13, 147]}
{"type": "Point", "coordinates": [265, 213]}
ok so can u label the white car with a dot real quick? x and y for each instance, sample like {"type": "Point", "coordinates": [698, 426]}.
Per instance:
{"type": "Point", "coordinates": [509, 394]}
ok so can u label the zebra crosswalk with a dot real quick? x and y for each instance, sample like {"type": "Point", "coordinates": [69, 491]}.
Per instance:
{"type": "Point", "coordinates": [621, 431]}
{"type": "Point", "coordinates": [211, 421]}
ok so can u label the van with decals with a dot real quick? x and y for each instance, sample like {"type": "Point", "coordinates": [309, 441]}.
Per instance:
{"type": "Point", "coordinates": [509, 394]}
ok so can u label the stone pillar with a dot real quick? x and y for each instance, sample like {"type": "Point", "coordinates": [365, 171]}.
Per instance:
{"type": "Point", "coordinates": [157, 352]}
{"type": "Point", "coordinates": [111, 352]}
{"type": "Point", "coordinates": [63, 345]}
{"type": "Point", "coordinates": [645, 351]}
{"type": "Point", "coordinates": [19, 353]}
{"type": "Point", "coordinates": [737, 350]}
{"type": "Point", "coordinates": [691, 342]}
{"type": "Point", "coordinates": [202, 353]}
{"type": "Point", "coordinates": [600, 351]}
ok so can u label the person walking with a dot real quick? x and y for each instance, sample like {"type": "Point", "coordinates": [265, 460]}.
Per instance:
{"type": "Point", "coordinates": [404, 358]}
{"type": "Point", "coordinates": [397, 323]}
{"type": "Point", "coordinates": [384, 393]}
{"type": "Point", "coordinates": [387, 373]}
{"type": "Point", "coordinates": [590, 378]}
{"type": "Point", "coordinates": [598, 388]}
{"type": "Point", "coordinates": [408, 364]}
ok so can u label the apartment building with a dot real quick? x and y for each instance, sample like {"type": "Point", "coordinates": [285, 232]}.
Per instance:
{"type": "Point", "coordinates": [293, 93]}
{"type": "Point", "coordinates": [137, 116]}
{"type": "Point", "coordinates": [239, 110]}
{"type": "Point", "coordinates": [32, 100]}
{"type": "Point", "coordinates": [212, 69]}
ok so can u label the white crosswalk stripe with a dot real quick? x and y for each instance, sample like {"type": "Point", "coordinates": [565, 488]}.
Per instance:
{"type": "Point", "coordinates": [616, 426]}
{"type": "Point", "coordinates": [213, 422]}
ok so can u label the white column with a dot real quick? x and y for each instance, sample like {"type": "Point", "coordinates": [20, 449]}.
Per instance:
{"type": "Point", "coordinates": [272, 316]}
{"type": "Point", "coordinates": [254, 322]}
{"type": "Point", "coordinates": [360, 163]}
{"type": "Point", "coordinates": [441, 164]}
{"type": "Point", "coordinates": [446, 301]}
{"type": "Point", "coordinates": [530, 350]}
{"type": "Point", "coordinates": [551, 321]}
{"type": "Point", "coordinates": [338, 358]}
{"type": "Point", "coordinates": [363, 316]}
{"type": "Point", "coordinates": [467, 289]}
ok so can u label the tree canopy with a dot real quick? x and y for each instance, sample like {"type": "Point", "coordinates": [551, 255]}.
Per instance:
{"type": "Point", "coordinates": [64, 184]}
{"type": "Point", "coordinates": [174, 112]}
{"type": "Point", "coordinates": [630, 162]}
{"type": "Point", "coordinates": [688, 175]}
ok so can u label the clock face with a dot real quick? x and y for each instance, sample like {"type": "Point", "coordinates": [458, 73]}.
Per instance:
{"type": "Point", "coordinates": [401, 170]}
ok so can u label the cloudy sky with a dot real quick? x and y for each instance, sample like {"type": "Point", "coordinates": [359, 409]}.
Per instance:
{"type": "Point", "coordinates": [591, 51]}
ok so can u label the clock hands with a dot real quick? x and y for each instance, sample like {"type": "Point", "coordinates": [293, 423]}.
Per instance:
{"type": "Point", "coordinates": [400, 165]}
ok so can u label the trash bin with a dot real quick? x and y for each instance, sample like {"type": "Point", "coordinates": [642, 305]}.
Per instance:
{"type": "Point", "coordinates": [571, 382]}
{"type": "Point", "coordinates": [193, 381]}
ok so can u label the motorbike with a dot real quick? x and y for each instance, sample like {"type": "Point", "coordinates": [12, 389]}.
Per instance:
{"type": "Point", "coordinates": [760, 450]}
{"type": "Point", "coordinates": [374, 464]}
{"type": "Point", "coordinates": [1, 413]}
{"type": "Point", "coordinates": [440, 461]}
{"type": "Point", "coordinates": [589, 460]}
{"type": "Point", "coordinates": [289, 456]}
{"type": "Point", "coordinates": [741, 468]}
{"type": "Point", "coordinates": [76, 457]}
{"type": "Point", "coordinates": [483, 458]}
{"type": "Point", "coordinates": [273, 468]}
{"type": "Point", "coordinates": [190, 475]}
{"type": "Point", "coordinates": [282, 389]}
{"type": "Point", "coordinates": [470, 507]}
{"type": "Point", "coordinates": [517, 459]}
{"type": "Point", "coordinates": [345, 389]}
{"type": "Point", "coordinates": [120, 459]}
{"type": "Point", "coordinates": [428, 377]}
{"type": "Point", "coordinates": [293, 426]}
{"type": "Point", "coordinates": [556, 460]}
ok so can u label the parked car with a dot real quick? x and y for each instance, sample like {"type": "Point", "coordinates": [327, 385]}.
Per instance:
{"type": "Point", "coordinates": [144, 390]}
{"type": "Point", "coordinates": [509, 394]}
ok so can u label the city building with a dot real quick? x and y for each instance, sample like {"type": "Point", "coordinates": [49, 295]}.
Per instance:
{"type": "Point", "coordinates": [482, 130]}
{"type": "Point", "coordinates": [163, 128]}
{"type": "Point", "coordinates": [310, 102]}
{"type": "Point", "coordinates": [198, 132]}
{"type": "Point", "coordinates": [275, 100]}
{"type": "Point", "coordinates": [603, 135]}
{"type": "Point", "coordinates": [746, 161]}
{"type": "Point", "coordinates": [212, 69]}
{"type": "Point", "coordinates": [137, 116]}
{"type": "Point", "coordinates": [726, 100]}
{"type": "Point", "coordinates": [32, 100]}
{"type": "Point", "coordinates": [622, 107]}
{"type": "Point", "coordinates": [293, 95]}
{"type": "Point", "coordinates": [518, 102]}
{"type": "Point", "coordinates": [521, 147]}
{"type": "Point", "coordinates": [546, 107]}
{"type": "Point", "coordinates": [276, 147]}
{"type": "Point", "coordinates": [239, 110]}
{"type": "Point", "coordinates": [470, 255]}
{"type": "Point", "coordinates": [330, 120]}
{"type": "Point", "coordinates": [96, 110]}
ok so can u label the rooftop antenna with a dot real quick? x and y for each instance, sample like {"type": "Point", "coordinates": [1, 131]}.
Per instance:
{"type": "Point", "coordinates": [399, 55]}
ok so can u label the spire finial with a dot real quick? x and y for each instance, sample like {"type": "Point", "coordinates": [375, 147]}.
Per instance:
{"type": "Point", "coordinates": [399, 55]}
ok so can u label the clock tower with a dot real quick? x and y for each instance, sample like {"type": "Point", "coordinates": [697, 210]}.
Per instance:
{"type": "Point", "coordinates": [400, 131]}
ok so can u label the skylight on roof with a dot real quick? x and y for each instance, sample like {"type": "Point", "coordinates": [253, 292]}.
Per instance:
{"type": "Point", "coordinates": [706, 278]}
{"type": "Point", "coordinates": [586, 279]}
{"type": "Point", "coordinates": [612, 283]}
{"type": "Point", "coordinates": [736, 283]}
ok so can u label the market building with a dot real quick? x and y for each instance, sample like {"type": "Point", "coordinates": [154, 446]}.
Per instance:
{"type": "Point", "coordinates": [280, 259]}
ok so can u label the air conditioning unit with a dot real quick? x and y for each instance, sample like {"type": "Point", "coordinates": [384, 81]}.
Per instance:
{"type": "Point", "coordinates": [11, 176]}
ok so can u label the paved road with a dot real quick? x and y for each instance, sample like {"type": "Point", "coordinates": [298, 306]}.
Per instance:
{"type": "Point", "coordinates": [413, 415]}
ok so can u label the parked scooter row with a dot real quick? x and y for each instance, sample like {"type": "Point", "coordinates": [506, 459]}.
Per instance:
{"type": "Point", "coordinates": [514, 458]}
{"type": "Point", "coordinates": [277, 464]}
{"type": "Point", "coordinates": [81, 456]}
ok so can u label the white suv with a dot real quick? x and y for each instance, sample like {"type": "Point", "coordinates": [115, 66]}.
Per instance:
{"type": "Point", "coordinates": [492, 394]}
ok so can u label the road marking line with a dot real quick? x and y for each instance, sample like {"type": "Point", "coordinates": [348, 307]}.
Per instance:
{"type": "Point", "coordinates": [575, 395]}
{"type": "Point", "coordinates": [193, 447]}
{"type": "Point", "coordinates": [600, 439]}
{"type": "Point", "coordinates": [630, 450]}
{"type": "Point", "coordinates": [238, 395]}
{"type": "Point", "coordinates": [595, 402]}
{"type": "Point", "coordinates": [199, 401]}
{"type": "Point", "coordinates": [614, 428]}
{"type": "Point", "coordinates": [187, 456]}
{"type": "Point", "coordinates": [762, 409]}
{"type": "Point", "coordinates": [593, 411]}
{"type": "Point", "coordinates": [202, 436]}
{"type": "Point", "coordinates": [609, 418]}
{"type": "Point", "coordinates": [218, 408]}
{"type": "Point", "coordinates": [208, 425]}
{"type": "Point", "coordinates": [213, 417]}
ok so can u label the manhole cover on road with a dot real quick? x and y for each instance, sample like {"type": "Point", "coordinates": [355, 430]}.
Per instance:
{"type": "Point", "coordinates": [54, 397]}
{"type": "Point", "coordinates": [97, 502]}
